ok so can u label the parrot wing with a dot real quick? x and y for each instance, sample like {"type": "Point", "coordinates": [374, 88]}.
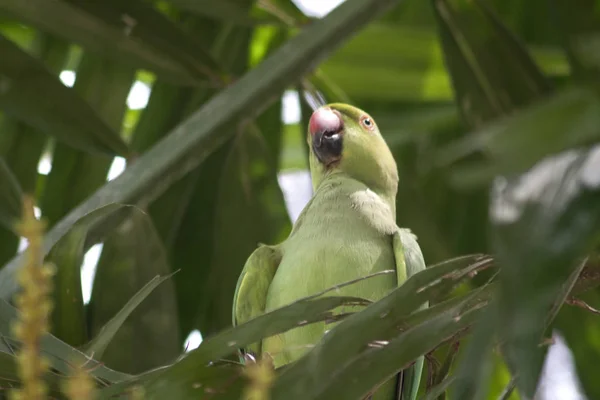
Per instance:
{"type": "Point", "coordinates": [409, 261]}
{"type": "Point", "coordinates": [253, 284]}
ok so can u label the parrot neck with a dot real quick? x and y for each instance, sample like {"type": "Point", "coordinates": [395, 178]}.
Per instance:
{"type": "Point", "coordinates": [387, 193]}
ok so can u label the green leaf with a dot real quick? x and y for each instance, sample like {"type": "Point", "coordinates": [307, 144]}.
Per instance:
{"type": "Point", "coordinates": [224, 10]}
{"type": "Point", "coordinates": [411, 69]}
{"type": "Point", "coordinates": [381, 340]}
{"type": "Point", "coordinates": [60, 112]}
{"type": "Point", "coordinates": [434, 282]}
{"type": "Point", "coordinates": [99, 344]}
{"type": "Point", "coordinates": [250, 198]}
{"type": "Point", "coordinates": [474, 370]}
{"type": "Point", "coordinates": [11, 197]}
{"type": "Point", "coordinates": [566, 120]}
{"type": "Point", "coordinates": [21, 146]}
{"type": "Point", "coordinates": [581, 330]}
{"type": "Point", "coordinates": [9, 375]}
{"type": "Point", "coordinates": [543, 223]}
{"type": "Point", "coordinates": [60, 354]}
{"type": "Point", "coordinates": [133, 255]}
{"type": "Point", "coordinates": [148, 26]}
{"type": "Point", "coordinates": [178, 379]}
{"type": "Point", "coordinates": [186, 212]}
{"type": "Point", "coordinates": [474, 39]}
{"type": "Point", "coordinates": [98, 223]}
{"type": "Point", "coordinates": [580, 31]}
{"type": "Point", "coordinates": [71, 22]}
{"type": "Point", "coordinates": [68, 316]}
{"type": "Point", "coordinates": [75, 174]}
{"type": "Point", "coordinates": [439, 389]}
{"type": "Point", "coordinates": [223, 382]}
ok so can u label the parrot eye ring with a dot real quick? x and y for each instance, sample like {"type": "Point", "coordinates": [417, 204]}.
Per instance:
{"type": "Point", "coordinates": [367, 122]}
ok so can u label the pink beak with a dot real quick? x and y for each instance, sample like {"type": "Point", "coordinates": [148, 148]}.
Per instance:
{"type": "Point", "coordinates": [325, 120]}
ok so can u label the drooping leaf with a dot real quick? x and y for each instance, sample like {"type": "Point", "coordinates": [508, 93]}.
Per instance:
{"type": "Point", "coordinates": [60, 354]}
{"type": "Point", "coordinates": [470, 382]}
{"type": "Point", "coordinates": [146, 25]}
{"type": "Point", "coordinates": [132, 260]}
{"type": "Point", "coordinates": [185, 213]}
{"type": "Point", "coordinates": [60, 112]}
{"type": "Point", "coordinates": [222, 382]}
{"type": "Point", "coordinates": [21, 146]}
{"type": "Point", "coordinates": [224, 10]}
{"type": "Point", "coordinates": [543, 222]}
{"type": "Point", "coordinates": [381, 340]}
{"type": "Point", "coordinates": [581, 330]}
{"type": "Point", "coordinates": [566, 120]}
{"type": "Point", "coordinates": [411, 69]}
{"type": "Point", "coordinates": [435, 281]}
{"type": "Point", "coordinates": [188, 376]}
{"type": "Point", "coordinates": [76, 174]}
{"type": "Point", "coordinates": [101, 341]}
{"type": "Point", "coordinates": [580, 30]}
{"type": "Point", "coordinates": [250, 200]}
{"type": "Point", "coordinates": [473, 39]}
{"type": "Point", "coordinates": [376, 364]}
{"type": "Point", "coordinates": [68, 315]}
{"type": "Point", "coordinates": [9, 375]}
{"type": "Point", "coordinates": [104, 37]}
{"type": "Point", "coordinates": [439, 389]}
{"type": "Point", "coordinates": [10, 197]}
{"type": "Point", "coordinates": [98, 222]}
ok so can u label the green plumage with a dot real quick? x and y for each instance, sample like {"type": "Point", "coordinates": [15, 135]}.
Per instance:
{"type": "Point", "coordinates": [348, 230]}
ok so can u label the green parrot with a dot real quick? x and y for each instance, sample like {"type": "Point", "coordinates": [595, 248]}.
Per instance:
{"type": "Point", "coordinates": [346, 231]}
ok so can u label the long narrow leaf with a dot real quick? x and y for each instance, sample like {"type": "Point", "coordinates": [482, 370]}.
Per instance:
{"type": "Point", "coordinates": [75, 174]}
{"type": "Point", "coordinates": [98, 222]}
{"type": "Point", "coordinates": [543, 222]}
{"type": "Point", "coordinates": [224, 10]}
{"type": "Point", "coordinates": [473, 39]}
{"type": "Point", "coordinates": [60, 112]}
{"type": "Point", "coordinates": [68, 314]}
{"type": "Point", "coordinates": [155, 31]}
{"type": "Point", "coordinates": [10, 197]}
{"type": "Point", "coordinates": [97, 346]}
{"type": "Point", "coordinates": [70, 22]}
{"type": "Point", "coordinates": [60, 354]}
{"type": "Point", "coordinates": [568, 119]}
{"type": "Point", "coordinates": [375, 350]}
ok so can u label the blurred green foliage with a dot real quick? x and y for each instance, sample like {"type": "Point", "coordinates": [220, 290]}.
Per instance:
{"type": "Point", "coordinates": [491, 108]}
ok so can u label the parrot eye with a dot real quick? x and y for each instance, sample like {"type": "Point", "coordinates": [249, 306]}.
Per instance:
{"type": "Point", "coordinates": [367, 122]}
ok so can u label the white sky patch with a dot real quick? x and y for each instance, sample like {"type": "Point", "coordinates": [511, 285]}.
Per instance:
{"type": "Point", "coordinates": [116, 168]}
{"type": "Point", "coordinates": [559, 379]}
{"type": "Point", "coordinates": [138, 96]}
{"type": "Point", "coordinates": [68, 77]}
{"type": "Point", "coordinates": [290, 107]}
{"type": "Point", "coordinates": [45, 164]}
{"type": "Point", "coordinates": [88, 270]}
{"type": "Point", "coordinates": [22, 244]}
{"type": "Point", "coordinates": [297, 191]}
{"type": "Point", "coordinates": [317, 8]}
{"type": "Point", "coordinates": [192, 341]}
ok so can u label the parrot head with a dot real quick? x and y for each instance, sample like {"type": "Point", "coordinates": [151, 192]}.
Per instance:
{"type": "Point", "coordinates": [346, 139]}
